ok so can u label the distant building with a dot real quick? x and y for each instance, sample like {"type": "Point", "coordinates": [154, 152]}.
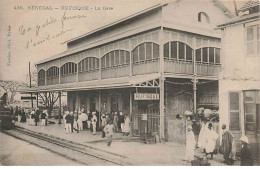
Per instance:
{"type": "Point", "coordinates": [156, 63]}
{"type": "Point", "coordinates": [239, 80]}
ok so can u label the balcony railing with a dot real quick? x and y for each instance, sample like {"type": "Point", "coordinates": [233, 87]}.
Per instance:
{"type": "Point", "coordinates": [52, 80]}
{"type": "Point", "coordinates": [178, 67]}
{"type": "Point", "coordinates": [69, 78]}
{"type": "Point", "coordinates": [146, 67]}
{"type": "Point", "coordinates": [88, 75]}
{"type": "Point", "coordinates": [114, 72]}
{"type": "Point", "coordinates": [206, 69]}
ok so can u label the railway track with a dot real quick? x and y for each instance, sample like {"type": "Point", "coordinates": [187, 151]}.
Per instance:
{"type": "Point", "coordinates": [80, 153]}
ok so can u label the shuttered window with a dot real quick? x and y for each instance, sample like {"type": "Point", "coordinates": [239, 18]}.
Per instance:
{"type": "Point", "coordinates": [234, 110]}
{"type": "Point", "coordinates": [253, 40]}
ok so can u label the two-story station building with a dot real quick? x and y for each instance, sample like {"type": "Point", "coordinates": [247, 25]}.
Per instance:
{"type": "Point", "coordinates": [161, 61]}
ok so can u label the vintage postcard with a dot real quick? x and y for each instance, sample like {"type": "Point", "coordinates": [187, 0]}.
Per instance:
{"type": "Point", "coordinates": [130, 83]}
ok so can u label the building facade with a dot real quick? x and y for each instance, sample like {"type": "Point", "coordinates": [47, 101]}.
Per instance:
{"type": "Point", "coordinates": [159, 63]}
{"type": "Point", "coordinates": [239, 80]}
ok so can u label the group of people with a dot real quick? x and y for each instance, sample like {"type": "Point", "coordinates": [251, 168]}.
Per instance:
{"type": "Point", "coordinates": [110, 123]}
{"type": "Point", "coordinates": [207, 140]}
{"type": "Point", "coordinates": [35, 117]}
{"type": "Point", "coordinates": [20, 114]}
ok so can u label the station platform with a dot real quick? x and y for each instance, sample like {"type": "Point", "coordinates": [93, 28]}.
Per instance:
{"type": "Point", "coordinates": [139, 153]}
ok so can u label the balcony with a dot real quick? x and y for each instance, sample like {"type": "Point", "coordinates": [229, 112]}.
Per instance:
{"type": "Point", "coordinates": [52, 80]}
{"type": "Point", "coordinates": [207, 69]}
{"type": "Point", "coordinates": [115, 72]}
{"type": "Point", "coordinates": [68, 78]}
{"type": "Point", "coordinates": [146, 67]}
{"type": "Point", "coordinates": [88, 75]}
{"type": "Point", "coordinates": [178, 67]}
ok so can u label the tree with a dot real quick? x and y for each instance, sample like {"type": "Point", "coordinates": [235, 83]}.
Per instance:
{"type": "Point", "coordinates": [49, 99]}
{"type": "Point", "coordinates": [11, 88]}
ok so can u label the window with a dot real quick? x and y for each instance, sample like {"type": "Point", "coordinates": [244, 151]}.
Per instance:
{"type": "Point", "coordinates": [115, 58]}
{"type": "Point", "coordinates": [208, 55]}
{"type": "Point", "coordinates": [145, 51]}
{"type": "Point", "coordinates": [41, 77]}
{"type": "Point", "coordinates": [252, 111]}
{"type": "Point", "coordinates": [178, 51]}
{"type": "Point", "coordinates": [69, 68]}
{"type": "Point", "coordinates": [53, 72]}
{"type": "Point", "coordinates": [253, 41]}
{"type": "Point", "coordinates": [234, 110]}
{"type": "Point", "coordinates": [89, 64]}
{"type": "Point", "coordinates": [203, 17]}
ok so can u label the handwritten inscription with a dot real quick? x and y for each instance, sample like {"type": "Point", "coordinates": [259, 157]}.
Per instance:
{"type": "Point", "coordinates": [36, 30]}
{"type": "Point", "coordinates": [237, 75]}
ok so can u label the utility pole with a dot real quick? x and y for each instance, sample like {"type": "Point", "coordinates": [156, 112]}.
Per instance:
{"type": "Point", "coordinates": [30, 77]}
{"type": "Point", "coordinates": [235, 5]}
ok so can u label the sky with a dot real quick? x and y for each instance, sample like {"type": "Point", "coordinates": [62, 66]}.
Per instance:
{"type": "Point", "coordinates": [32, 35]}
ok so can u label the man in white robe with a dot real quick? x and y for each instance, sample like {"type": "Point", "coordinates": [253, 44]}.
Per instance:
{"type": "Point", "coordinates": [211, 138]}
{"type": "Point", "coordinates": [190, 144]}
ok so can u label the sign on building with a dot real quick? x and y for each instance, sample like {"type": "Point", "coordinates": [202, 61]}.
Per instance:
{"type": "Point", "coordinates": [144, 117]}
{"type": "Point", "coordinates": [146, 96]}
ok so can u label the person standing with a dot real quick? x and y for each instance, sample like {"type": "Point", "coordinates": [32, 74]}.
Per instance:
{"type": "Point", "coordinates": [190, 144]}
{"type": "Point", "coordinates": [202, 135]}
{"type": "Point", "coordinates": [246, 152]}
{"type": "Point", "coordinates": [69, 120]}
{"type": "Point", "coordinates": [116, 121]}
{"type": "Point", "coordinates": [103, 124]}
{"type": "Point", "coordinates": [84, 118]}
{"type": "Point", "coordinates": [75, 122]}
{"type": "Point", "coordinates": [37, 116]}
{"type": "Point", "coordinates": [79, 121]}
{"type": "Point", "coordinates": [64, 118]}
{"type": "Point", "coordinates": [196, 131]}
{"type": "Point", "coordinates": [210, 142]}
{"type": "Point", "coordinates": [94, 122]}
{"type": "Point", "coordinates": [89, 120]}
{"type": "Point", "coordinates": [23, 116]}
{"type": "Point", "coordinates": [127, 125]}
{"type": "Point", "coordinates": [43, 117]}
{"type": "Point", "coordinates": [121, 121]}
{"type": "Point", "coordinates": [19, 114]}
{"type": "Point", "coordinates": [32, 114]}
{"type": "Point", "coordinates": [226, 144]}
{"type": "Point", "coordinates": [109, 132]}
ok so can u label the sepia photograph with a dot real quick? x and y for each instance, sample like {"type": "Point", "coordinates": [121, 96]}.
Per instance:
{"type": "Point", "coordinates": [130, 83]}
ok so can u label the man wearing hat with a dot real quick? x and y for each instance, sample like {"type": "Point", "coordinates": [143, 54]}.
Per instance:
{"type": "Point", "coordinates": [94, 122]}
{"type": "Point", "coordinates": [226, 144]}
{"type": "Point", "coordinates": [190, 144]}
{"type": "Point", "coordinates": [246, 153]}
{"type": "Point", "coordinates": [116, 121]}
{"type": "Point", "coordinates": [79, 121]}
{"type": "Point", "coordinates": [89, 119]}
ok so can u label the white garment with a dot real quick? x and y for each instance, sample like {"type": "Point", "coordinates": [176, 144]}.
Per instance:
{"type": "Point", "coordinates": [43, 122]}
{"type": "Point", "coordinates": [80, 124]}
{"type": "Point", "coordinates": [190, 146]}
{"type": "Point", "coordinates": [68, 128]}
{"type": "Point", "coordinates": [127, 125]}
{"type": "Point", "coordinates": [122, 127]}
{"type": "Point", "coordinates": [94, 123]}
{"type": "Point", "coordinates": [202, 135]}
{"type": "Point", "coordinates": [109, 130]}
{"type": "Point", "coordinates": [64, 120]}
{"type": "Point", "coordinates": [210, 141]}
{"type": "Point", "coordinates": [75, 125]}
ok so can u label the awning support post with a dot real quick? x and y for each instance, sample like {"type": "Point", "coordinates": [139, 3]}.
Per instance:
{"type": "Point", "coordinates": [131, 111]}
{"type": "Point", "coordinates": [37, 99]}
{"type": "Point", "coordinates": [99, 105]}
{"type": "Point", "coordinates": [59, 108]}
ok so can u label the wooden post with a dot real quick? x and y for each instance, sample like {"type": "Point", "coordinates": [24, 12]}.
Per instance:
{"type": "Point", "coordinates": [195, 81]}
{"type": "Point", "coordinates": [131, 111]}
{"type": "Point", "coordinates": [161, 79]}
{"type": "Point", "coordinates": [99, 106]}
{"type": "Point", "coordinates": [37, 100]}
{"type": "Point", "coordinates": [59, 108]}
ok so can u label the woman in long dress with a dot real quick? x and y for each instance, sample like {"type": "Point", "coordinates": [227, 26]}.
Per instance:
{"type": "Point", "coordinates": [127, 125]}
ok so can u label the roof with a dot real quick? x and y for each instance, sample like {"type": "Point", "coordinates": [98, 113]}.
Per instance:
{"type": "Point", "coordinates": [119, 21]}
{"type": "Point", "coordinates": [250, 4]}
{"type": "Point", "coordinates": [95, 84]}
{"type": "Point", "coordinates": [72, 51]}
{"type": "Point", "coordinates": [240, 19]}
